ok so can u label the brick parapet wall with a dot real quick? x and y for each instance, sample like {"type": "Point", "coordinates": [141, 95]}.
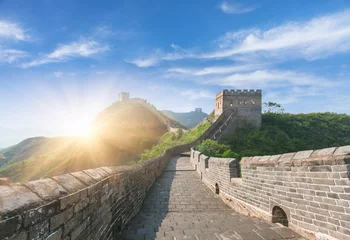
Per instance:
{"type": "Point", "coordinates": [93, 204]}
{"type": "Point", "coordinates": [90, 204]}
{"type": "Point", "coordinates": [312, 187]}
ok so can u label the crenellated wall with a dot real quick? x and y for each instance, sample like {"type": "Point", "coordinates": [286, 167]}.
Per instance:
{"type": "Point", "coordinates": [311, 187]}
{"type": "Point", "coordinates": [90, 204]}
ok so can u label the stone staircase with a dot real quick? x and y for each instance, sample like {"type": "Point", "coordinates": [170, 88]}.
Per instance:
{"type": "Point", "coordinates": [223, 127]}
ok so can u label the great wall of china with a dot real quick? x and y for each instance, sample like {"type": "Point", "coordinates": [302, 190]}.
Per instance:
{"type": "Point", "coordinates": [309, 190]}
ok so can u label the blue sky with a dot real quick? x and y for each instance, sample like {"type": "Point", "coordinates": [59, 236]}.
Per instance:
{"type": "Point", "coordinates": [63, 61]}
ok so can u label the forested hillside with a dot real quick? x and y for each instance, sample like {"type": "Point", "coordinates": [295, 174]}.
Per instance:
{"type": "Point", "coordinates": [284, 132]}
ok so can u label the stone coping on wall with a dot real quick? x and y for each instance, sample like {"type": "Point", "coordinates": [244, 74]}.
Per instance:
{"type": "Point", "coordinates": [216, 160]}
{"type": "Point", "coordinates": [19, 197]}
{"type": "Point", "coordinates": [223, 161]}
{"type": "Point", "coordinates": [326, 156]}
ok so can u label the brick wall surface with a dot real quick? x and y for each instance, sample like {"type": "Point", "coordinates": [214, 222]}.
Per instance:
{"type": "Point", "coordinates": [312, 187]}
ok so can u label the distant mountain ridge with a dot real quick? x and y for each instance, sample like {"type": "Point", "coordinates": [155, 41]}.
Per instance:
{"type": "Point", "coordinates": [188, 119]}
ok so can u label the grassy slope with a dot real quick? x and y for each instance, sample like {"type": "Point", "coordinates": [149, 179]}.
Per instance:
{"type": "Point", "coordinates": [171, 139]}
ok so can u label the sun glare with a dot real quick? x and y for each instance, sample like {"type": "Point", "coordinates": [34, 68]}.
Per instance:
{"type": "Point", "coordinates": [78, 127]}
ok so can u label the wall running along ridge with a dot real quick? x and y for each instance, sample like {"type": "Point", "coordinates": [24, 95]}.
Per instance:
{"type": "Point", "coordinates": [90, 204]}
{"type": "Point", "coordinates": [311, 187]}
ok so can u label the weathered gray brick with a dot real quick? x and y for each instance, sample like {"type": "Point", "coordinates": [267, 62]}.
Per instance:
{"type": "Point", "coordinates": [319, 187]}
{"type": "Point", "coordinates": [61, 218]}
{"type": "Point", "coordinates": [345, 150]}
{"type": "Point", "coordinates": [81, 205]}
{"type": "Point", "coordinates": [332, 207]}
{"type": "Point", "coordinates": [323, 181]}
{"type": "Point", "coordinates": [325, 225]}
{"type": "Point", "coordinates": [318, 211]}
{"type": "Point", "coordinates": [10, 226]}
{"type": "Point", "coordinates": [337, 189]}
{"type": "Point", "coordinates": [320, 168]}
{"type": "Point", "coordinates": [55, 235]}
{"type": "Point", "coordinates": [39, 231]}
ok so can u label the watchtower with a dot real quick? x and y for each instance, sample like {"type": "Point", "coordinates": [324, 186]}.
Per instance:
{"type": "Point", "coordinates": [246, 102]}
{"type": "Point", "coordinates": [124, 96]}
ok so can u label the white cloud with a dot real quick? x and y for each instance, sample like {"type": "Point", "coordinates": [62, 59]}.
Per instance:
{"type": "Point", "coordinates": [58, 74]}
{"type": "Point", "coordinates": [69, 51]}
{"type": "Point", "coordinates": [104, 31]}
{"type": "Point", "coordinates": [293, 94]}
{"type": "Point", "coordinates": [158, 56]}
{"type": "Point", "coordinates": [235, 8]}
{"type": "Point", "coordinates": [217, 69]}
{"type": "Point", "coordinates": [146, 62]}
{"type": "Point", "coordinates": [268, 79]}
{"type": "Point", "coordinates": [12, 31]}
{"type": "Point", "coordinates": [8, 55]}
{"type": "Point", "coordinates": [197, 94]}
{"type": "Point", "coordinates": [316, 38]}
{"type": "Point", "coordinates": [74, 49]}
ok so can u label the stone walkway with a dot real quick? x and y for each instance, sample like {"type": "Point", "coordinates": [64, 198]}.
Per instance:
{"type": "Point", "coordinates": [180, 206]}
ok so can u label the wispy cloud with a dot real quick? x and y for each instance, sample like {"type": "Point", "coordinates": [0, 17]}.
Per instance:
{"type": "Point", "coordinates": [197, 94]}
{"type": "Point", "coordinates": [104, 31]}
{"type": "Point", "coordinates": [12, 31]}
{"type": "Point", "coordinates": [268, 78]}
{"type": "Point", "coordinates": [145, 62]}
{"type": "Point", "coordinates": [317, 38]}
{"type": "Point", "coordinates": [86, 48]}
{"type": "Point", "coordinates": [58, 74]}
{"type": "Point", "coordinates": [228, 8]}
{"type": "Point", "coordinates": [293, 94]}
{"type": "Point", "coordinates": [159, 55]}
{"type": "Point", "coordinates": [8, 55]}
{"type": "Point", "coordinates": [218, 70]}
{"type": "Point", "coordinates": [313, 39]}
{"type": "Point", "coordinates": [250, 76]}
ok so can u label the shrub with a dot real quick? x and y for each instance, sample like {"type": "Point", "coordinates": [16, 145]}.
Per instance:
{"type": "Point", "coordinates": [214, 149]}
{"type": "Point", "coordinates": [171, 139]}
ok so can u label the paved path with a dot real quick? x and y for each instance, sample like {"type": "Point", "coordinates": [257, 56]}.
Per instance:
{"type": "Point", "coordinates": [180, 206]}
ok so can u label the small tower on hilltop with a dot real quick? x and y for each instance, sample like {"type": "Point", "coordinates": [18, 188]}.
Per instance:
{"type": "Point", "coordinates": [247, 103]}
{"type": "Point", "coordinates": [124, 96]}
{"type": "Point", "coordinates": [198, 110]}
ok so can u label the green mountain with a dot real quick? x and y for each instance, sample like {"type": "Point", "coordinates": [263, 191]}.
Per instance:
{"type": "Point", "coordinates": [189, 119]}
{"type": "Point", "coordinates": [121, 133]}
{"type": "Point", "coordinates": [282, 133]}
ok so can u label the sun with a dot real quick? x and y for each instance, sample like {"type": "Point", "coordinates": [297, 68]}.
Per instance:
{"type": "Point", "coordinates": [78, 127]}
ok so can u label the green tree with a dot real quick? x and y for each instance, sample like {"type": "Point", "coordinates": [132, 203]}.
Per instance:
{"type": "Point", "coordinates": [179, 133]}
{"type": "Point", "coordinates": [145, 144]}
{"type": "Point", "coordinates": [271, 107]}
{"type": "Point", "coordinates": [214, 149]}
